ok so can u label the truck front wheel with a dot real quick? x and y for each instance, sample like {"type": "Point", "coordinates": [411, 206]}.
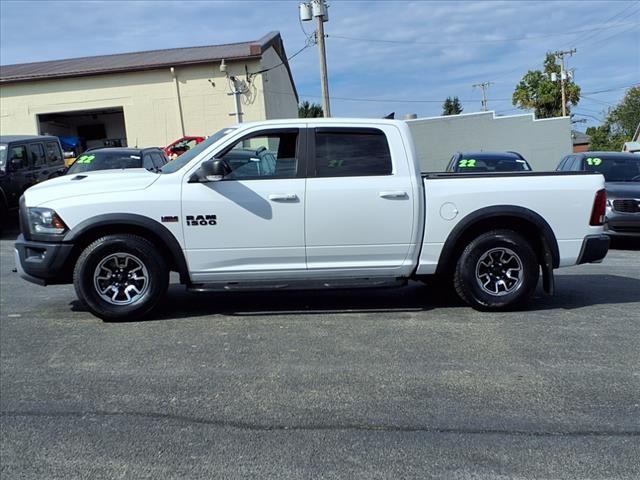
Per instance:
{"type": "Point", "coordinates": [496, 270]}
{"type": "Point", "coordinates": [120, 277]}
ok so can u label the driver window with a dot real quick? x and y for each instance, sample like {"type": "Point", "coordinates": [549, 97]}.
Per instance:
{"type": "Point", "coordinates": [263, 155]}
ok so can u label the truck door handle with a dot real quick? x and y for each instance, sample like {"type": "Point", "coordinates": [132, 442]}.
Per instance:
{"type": "Point", "coordinates": [283, 197]}
{"type": "Point", "coordinates": [394, 194]}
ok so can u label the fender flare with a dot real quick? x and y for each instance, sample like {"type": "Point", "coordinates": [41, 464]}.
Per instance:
{"type": "Point", "coordinates": [548, 238]}
{"type": "Point", "coordinates": [158, 230]}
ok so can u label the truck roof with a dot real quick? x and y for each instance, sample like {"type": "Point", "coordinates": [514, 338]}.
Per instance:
{"type": "Point", "coordinates": [332, 120]}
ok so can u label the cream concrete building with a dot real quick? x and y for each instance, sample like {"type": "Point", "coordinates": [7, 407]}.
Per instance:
{"type": "Point", "coordinates": [148, 98]}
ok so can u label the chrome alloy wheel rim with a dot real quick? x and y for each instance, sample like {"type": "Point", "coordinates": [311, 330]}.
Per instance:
{"type": "Point", "coordinates": [499, 271]}
{"type": "Point", "coordinates": [121, 279]}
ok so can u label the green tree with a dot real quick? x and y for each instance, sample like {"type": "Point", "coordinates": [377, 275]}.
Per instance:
{"type": "Point", "coordinates": [452, 106]}
{"type": "Point", "coordinates": [309, 110]}
{"type": "Point", "coordinates": [537, 91]}
{"type": "Point", "coordinates": [624, 118]}
{"type": "Point", "coordinates": [620, 124]}
{"type": "Point", "coordinates": [600, 139]}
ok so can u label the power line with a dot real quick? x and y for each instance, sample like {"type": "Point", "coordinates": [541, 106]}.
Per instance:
{"type": "Point", "coordinates": [590, 116]}
{"type": "Point", "coordinates": [602, 41]}
{"type": "Point", "coordinates": [591, 33]}
{"type": "Point", "coordinates": [397, 100]}
{"type": "Point", "coordinates": [458, 42]}
{"type": "Point", "coordinates": [613, 89]}
{"type": "Point", "coordinates": [252, 74]}
{"type": "Point", "coordinates": [586, 97]}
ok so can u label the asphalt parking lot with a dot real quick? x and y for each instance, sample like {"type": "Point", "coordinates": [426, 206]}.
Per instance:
{"type": "Point", "coordinates": [400, 383]}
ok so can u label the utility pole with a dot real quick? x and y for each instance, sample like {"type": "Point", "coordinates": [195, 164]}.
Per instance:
{"type": "Point", "coordinates": [563, 76]}
{"type": "Point", "coordinates": [318, 9]}
{"type": "Point", "coordinates": [238, 87]}
{"type": "Point", "coordinates": [484, 86]}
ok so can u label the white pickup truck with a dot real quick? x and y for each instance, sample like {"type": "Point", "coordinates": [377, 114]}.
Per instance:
{"type": "Point", "coordinates": [306, 203]}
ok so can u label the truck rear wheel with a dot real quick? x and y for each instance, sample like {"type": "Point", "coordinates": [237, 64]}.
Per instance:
{"type": "Point", "coordinates": [497, 270]}
{"type": "Point", "coordinates": [120, 277]}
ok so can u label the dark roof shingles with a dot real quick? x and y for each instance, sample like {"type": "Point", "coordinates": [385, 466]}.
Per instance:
{"type": "Point", "coordinates": [126, 62]}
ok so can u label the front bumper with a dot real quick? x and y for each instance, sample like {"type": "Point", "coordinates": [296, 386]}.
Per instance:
{"type": "Point", "coordinates": [623, 225]}
{"type": "Point", "coordinates": [43, 263]}
{"type": "Point", "coordinates": [594, 249]}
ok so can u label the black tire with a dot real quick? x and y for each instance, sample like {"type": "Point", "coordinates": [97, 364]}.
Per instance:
{"type": "Point", "coordinates": [120, 277]}
{"type": "Point", "coordinates": [496, 270]}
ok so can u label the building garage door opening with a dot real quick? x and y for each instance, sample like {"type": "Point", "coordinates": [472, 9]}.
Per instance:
{"type": "Point", "coordinates": [83, 129]}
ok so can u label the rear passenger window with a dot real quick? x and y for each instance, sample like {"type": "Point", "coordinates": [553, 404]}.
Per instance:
{"type": "Point", "coordinates": [54, 155]}
{"type": "Point", "coordinates": [36, 154]}
{"type": "Point", "coordinates": [352, 152]}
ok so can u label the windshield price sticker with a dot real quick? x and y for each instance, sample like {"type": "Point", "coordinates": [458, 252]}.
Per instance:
{"type": "Point", "coordinates": [595, 161]}
{"type": "Point", "coordinates": [86, 158]}
{"type": "Point", "coordinates": [467, 163]}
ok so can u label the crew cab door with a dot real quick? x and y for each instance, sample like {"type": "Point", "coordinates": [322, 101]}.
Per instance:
{"type": "Point", "coordinates": [251, 221]}
{"type": "Point", "coordinates": [360, 200]}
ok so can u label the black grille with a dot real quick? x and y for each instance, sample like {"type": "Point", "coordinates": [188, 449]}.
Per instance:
{"type": "Point", "coordinates": [627, 205]}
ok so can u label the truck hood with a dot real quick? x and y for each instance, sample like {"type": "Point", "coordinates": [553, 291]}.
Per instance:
{"type": "Point", "coordinates": [88, 183]}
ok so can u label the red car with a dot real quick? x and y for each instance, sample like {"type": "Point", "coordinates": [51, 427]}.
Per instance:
{"type": "Point", "coordinates": [178, 147]}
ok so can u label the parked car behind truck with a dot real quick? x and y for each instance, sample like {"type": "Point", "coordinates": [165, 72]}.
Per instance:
{"type": "Point", "coordinates": [622, 182]}
{"type": "Point", "coordinates": [115, 158]}
{"type": "Point", "coordinates": [24, 161]}
{"type": "Point", "coordinates": [471, 162]}
{"type": "Point", "coordinates": [334, 203]}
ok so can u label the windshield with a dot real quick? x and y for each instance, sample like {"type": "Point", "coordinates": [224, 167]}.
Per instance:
{"type": "Point", "coordinates": [105, 160]}
{"type": "Point", "coordinates": [615, 168]}
{"type": "Point", "coordinates": [491, 163]}
{"type": "Point", "coordinates": [186, 157]}
{"type": "Point", "coordinates": [3, 156]}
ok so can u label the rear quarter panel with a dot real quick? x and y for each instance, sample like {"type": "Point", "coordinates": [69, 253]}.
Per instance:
{"type": "Point", "coordinates": [565, 201]}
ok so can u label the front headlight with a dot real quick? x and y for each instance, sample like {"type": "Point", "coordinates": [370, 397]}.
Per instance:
{"type": "Point", "coordinates": [45, 221]}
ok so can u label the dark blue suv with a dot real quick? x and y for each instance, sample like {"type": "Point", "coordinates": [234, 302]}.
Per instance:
{"type": "Point", "coordinates": [621, 173]}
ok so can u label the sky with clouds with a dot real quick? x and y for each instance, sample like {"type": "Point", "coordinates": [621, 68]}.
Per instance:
{"type": "Point", "coordinates": [383, 56]}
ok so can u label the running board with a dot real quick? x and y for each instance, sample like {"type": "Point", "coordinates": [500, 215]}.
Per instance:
{"type": "Point", "coordinates": [297, 285]}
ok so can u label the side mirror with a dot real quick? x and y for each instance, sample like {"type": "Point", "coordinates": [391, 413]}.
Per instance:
{"type": "Point", "coordinates": [211, 171]}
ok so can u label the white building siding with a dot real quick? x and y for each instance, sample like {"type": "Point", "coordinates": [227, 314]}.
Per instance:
{"type": "Point", "coordinates": [542, 142]}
